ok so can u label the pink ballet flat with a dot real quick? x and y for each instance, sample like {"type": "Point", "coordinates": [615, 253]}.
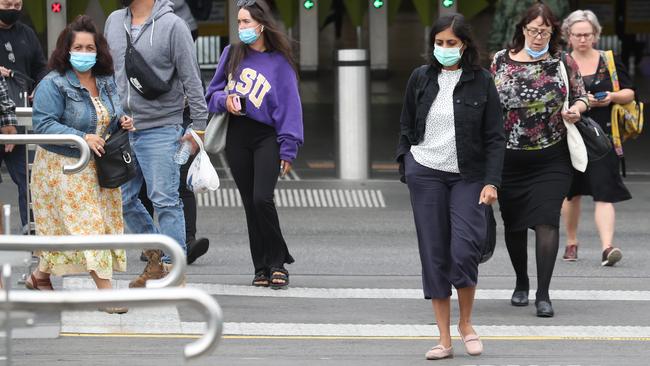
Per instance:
{"type": "Point", "coordinates": [472, 342]}
{"type": "Point", "coordinates": [439, 352]}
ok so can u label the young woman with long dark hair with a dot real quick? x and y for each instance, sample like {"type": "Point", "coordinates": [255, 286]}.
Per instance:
{"type": "Point", "coordinates": [450, 153]}
{"type": "Point", "coordinates": [256, 82]}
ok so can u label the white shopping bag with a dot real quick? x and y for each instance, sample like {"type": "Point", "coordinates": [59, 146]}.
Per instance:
{"type": "Point", "coordinates": [202, 176]}
{"type": "Point", "coordinates": [577, 148]}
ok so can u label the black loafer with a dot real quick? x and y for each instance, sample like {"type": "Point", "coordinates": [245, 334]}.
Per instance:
{"type": "Point", "coordinates": [544, 309]}
{"type": "Point", "coordinates": [519, 298]}
{"type": "Point", "coordinates": [196, 248]}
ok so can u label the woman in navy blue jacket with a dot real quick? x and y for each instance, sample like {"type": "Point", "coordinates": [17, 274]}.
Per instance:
{"type": "Point", "coordinates": [451, 153]}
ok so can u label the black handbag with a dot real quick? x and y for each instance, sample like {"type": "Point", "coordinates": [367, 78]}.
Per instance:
{"type": "Point", "coordinates": [18, 87]}
{"type": "Point", "coordinates": [141, 77]}
{"type": "Point", "coordinates": [487, 250]}
{"type": "Point", "coordinates": [596, 140]}
{"type": "Point", "coordinates": [116, 166]}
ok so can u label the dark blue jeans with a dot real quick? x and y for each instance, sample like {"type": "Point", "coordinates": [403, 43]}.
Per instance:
{"type": "Point", "coordinates": [15, 161]}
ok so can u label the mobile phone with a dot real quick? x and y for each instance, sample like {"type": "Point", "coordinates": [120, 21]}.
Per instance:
{"type": "Point", "coordinates": [600, 95]}
{"type": "Point", "coordinates": [242, 103]}
{"type": "Point", "coordinates": [236, 103]}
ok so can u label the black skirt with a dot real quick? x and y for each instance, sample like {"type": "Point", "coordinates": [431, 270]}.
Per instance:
{"type": "Point", "coordinates": [602, 180]}
{"type": "Point", "coordinates": [534, 185]}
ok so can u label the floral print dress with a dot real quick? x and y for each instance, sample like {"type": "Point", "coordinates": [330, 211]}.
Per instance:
{"type": "Point", "coordinates": [75, 204]}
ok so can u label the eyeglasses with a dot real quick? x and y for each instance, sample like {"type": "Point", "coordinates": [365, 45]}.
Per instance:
{"type": "Point", "coordinates": [243, 3]}
{"type": "Point", "coordinates": [534, 32]}
{"type": "Point", "coordinates": [11, 55]}
{"type": "Point", "coordinates": [579, 36]}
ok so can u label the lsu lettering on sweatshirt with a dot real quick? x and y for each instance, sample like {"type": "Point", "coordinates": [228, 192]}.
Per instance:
{"type": "Point", "coordinates": [269, 83]}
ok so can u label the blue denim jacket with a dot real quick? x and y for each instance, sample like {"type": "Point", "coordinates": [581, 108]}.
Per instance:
{"type": "Point", "coordinates": [63, 106]}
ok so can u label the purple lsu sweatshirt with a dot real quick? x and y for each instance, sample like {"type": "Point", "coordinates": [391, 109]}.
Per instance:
{"type": "Point", "coordinates": [269, 83]}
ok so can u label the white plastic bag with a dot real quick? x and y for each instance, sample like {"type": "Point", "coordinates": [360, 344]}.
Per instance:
{"type": "Point", "coordinates": [202, 176]}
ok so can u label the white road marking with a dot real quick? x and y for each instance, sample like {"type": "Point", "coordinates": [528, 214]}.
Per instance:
{"type": "Point", "coordinates": [166, 320]}
{"type": "Point", "coordinates": [377, 293]}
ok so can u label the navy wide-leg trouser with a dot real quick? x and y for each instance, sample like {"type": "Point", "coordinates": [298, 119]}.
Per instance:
{"type": "Point", "coordinates": [451, 227]}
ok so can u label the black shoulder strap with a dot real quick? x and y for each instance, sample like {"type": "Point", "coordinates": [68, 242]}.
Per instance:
{"type": "Point", "coordinates": [129, 44]}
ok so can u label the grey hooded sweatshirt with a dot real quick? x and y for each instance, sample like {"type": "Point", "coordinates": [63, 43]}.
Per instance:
{"type": "Point", "coordinates": [183, 10]}
{"type": "Point", "coordinates": [166, 44]}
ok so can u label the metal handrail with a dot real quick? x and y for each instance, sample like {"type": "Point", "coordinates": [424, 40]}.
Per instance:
{"type": "Point", "coordinates": [77, 300]}
{"type": "Point", "coordinates": [84, 242]}
{"type": "Point", "coordinates": [54, 139]}
{"type": "Point", "coordinates": [23, 112]}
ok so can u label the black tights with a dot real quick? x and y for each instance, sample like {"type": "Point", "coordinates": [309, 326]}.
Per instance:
{"type": "Point", "coordinates": [547, 241]}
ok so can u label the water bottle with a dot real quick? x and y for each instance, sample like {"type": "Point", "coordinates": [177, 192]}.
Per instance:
{"type": "Point", "coordinates": [184, 149]}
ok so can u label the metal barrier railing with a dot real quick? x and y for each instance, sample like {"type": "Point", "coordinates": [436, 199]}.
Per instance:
{"type": "Point", "coordinates": [17, 258]}
{"type": "Point", "coordinates": [130, 241]}
{"type": "Point", "coordinates": [24, 116]}
{"type": "Point", "coordinates": [26, 301]}
{"type": "Point", "coordinates": [84, 150]}
{"type": "Point", "coordinates": [76, 300]}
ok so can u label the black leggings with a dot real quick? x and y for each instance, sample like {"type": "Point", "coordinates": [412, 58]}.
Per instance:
{"type": "Point", "coordinates": [253, 154]}
{"type": "Point", "coordinates": [547, 241]}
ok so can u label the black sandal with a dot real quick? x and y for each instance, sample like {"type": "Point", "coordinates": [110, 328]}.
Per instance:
{"type": "Point", "coordinates": [279, 278]}
{"type": "Point", "coordinates": [261, 279]}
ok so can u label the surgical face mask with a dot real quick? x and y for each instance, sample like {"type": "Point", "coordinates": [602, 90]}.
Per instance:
{"type": "Point", "coordinates": [536, 54]}
{"type": "Point", "coordinates": [447, 56]}
{"type": "Point", "coordinates": [82, 61]}
{"type": "Point", "coordinates": [126, 3]}
{"type": "Point", "coordinates": [248, 35]}
{"type": "Point", "coordinates": [9, 16]}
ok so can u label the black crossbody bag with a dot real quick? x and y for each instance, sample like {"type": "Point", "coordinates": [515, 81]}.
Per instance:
{"type": "Point", "coordinates": [141, 77]}
{"type": "Point", "coordinates": [116, 166]}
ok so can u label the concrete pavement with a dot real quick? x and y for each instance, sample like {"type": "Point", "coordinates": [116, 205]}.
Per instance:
{"type": "Point", "coordinates": [354, 297]}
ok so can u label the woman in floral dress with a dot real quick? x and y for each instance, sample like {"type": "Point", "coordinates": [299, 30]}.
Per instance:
{"type": "Point", "coordinates": [77, 97]}
{"type": "Point", "coordinates": [537, 169]}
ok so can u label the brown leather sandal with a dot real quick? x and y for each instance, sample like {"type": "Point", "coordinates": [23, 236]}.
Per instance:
{"type": "Point", "coordinates": [39, 284]}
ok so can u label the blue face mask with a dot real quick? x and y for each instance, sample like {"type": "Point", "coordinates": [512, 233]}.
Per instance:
{"type": "Point", "coordinates": [83, 61]}
{"type": "Point", "coordinates": [248, 35]}
{"type": "Point", "coordinates": [447, 56]}
{"type": "Point", "coordinates": [536, 54]}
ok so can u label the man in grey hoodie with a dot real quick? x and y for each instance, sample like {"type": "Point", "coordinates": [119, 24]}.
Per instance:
{"type": "Point", "coordinates": [164, 41]}
{"type": "Point", "coordinates": [183, 10]}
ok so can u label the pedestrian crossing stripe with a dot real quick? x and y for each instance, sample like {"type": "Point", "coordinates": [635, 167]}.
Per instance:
{"type": "Point", "coordinates": [300, 198]}
{"type": "Point", "coordinates": [79, 283]}
{"type": "Point", "coordinates": [413, 294]}
{"type": "Point", "coordinates": [353, 331]}
{"type": "Point", "coordinates": [166, 320]}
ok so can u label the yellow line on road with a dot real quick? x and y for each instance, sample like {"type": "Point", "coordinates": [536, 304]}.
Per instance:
{"type": "Point", "coordinates": [334, 338]}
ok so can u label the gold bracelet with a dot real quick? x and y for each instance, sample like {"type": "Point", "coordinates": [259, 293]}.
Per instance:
{"type": "Point", "coordinates": [199, 132]}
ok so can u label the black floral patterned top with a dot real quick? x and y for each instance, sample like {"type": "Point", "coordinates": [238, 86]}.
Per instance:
{"type": "Point", "coordinates": [532, 95]}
